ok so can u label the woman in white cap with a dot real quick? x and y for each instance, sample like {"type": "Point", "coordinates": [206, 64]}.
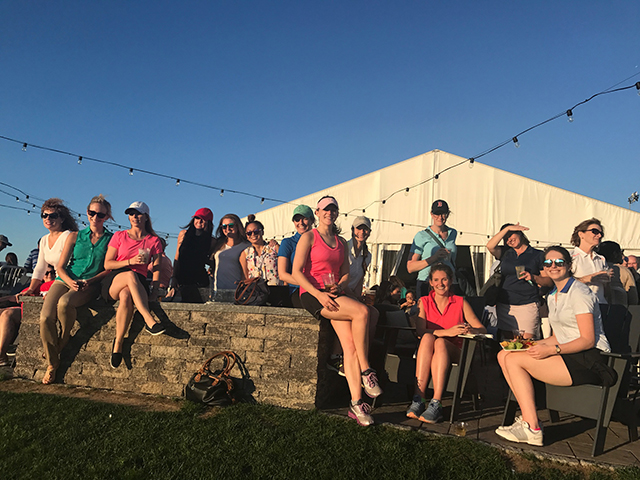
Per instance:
{"type": "Point", "coordinates": [128, 256]}
{"type": "Point", "coordinates": [435, 244]}
{"type": "Point", "coordinates": [321, 268]}
{"type": "Point", "coordinates": [192, 254]}
{"type": "Point", "coordinates": [303, 220]}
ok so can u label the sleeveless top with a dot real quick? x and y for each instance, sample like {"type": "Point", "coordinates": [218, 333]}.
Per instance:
{"type": "Point", "coordinates": [453, 314]}
{"type": "Point", "coordinates": [192, 256]}
{"type": "Point", "coordinates": [322, 259]}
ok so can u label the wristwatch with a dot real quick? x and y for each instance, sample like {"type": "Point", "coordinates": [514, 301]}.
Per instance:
{"type": "Point", "coordinates": [557, 349]}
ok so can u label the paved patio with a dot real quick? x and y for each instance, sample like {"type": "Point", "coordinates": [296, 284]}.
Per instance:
{"type": "Point", "coordinates": [569, 440]}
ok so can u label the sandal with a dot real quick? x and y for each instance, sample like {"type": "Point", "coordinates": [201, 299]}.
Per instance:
{"type": "Point", "coordinates": [49, 376]}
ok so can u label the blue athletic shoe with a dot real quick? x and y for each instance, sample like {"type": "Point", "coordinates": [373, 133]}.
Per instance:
{"type": "Point", "coordinates": [433, 413]}
{"type": "Point", "coordinates": [416, 408]}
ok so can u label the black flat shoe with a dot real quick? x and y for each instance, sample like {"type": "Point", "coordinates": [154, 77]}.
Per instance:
{"type": "Point", "coordinates": [116, 358]}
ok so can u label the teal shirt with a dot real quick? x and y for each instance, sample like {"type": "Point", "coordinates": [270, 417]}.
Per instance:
{"type": "Point", "coordinates": [87, 259]}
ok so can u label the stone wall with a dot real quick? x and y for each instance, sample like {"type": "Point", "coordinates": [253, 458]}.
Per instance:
{"type": "Point", "coordinates": [284, 350]}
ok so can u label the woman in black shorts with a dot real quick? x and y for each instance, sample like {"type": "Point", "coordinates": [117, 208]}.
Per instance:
{"type": "Point", "coordinates": [571, 356]}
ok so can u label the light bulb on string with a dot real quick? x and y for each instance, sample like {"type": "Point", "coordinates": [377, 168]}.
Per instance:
{"type": "Point", "coordinates": [79, 160]}
{"type": "Point", "coordinates": [406, 192]}
{"type": "Point", "coordinates": [17, 199]}
{"type": "Point", "coordinates": [177, 182]}
{"type": "Point", "coordinates": [402, 225]}
{"type": "Point", "coordinates": [570, 115]}
{"type": "Point", "coordinates": [638, 87]}
{"type": "Point", "coordinates": [383, 202]}
{"type": "Point", "coordinates": [24, 147]}
{"type": "Point", "coordinates": [222, 192]}
{"type": "Point", "coordinates": [516, 142]}
{"type": "Point", "coordinates": [363, 210]}
{"type": "Point", "coordinates": [28, 212]}
{"type": "Point", "coordinates": [472, 161]}
{"type": "Point", "coordinates": [437, 177]}
{"type": "Point", "coordinates": [262, 201]}
{"type": "Point", "coordinates": [131, 171]}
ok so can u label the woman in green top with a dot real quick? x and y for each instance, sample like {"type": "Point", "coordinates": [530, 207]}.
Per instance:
{"type": "Point", "coordinates": [80, 270]}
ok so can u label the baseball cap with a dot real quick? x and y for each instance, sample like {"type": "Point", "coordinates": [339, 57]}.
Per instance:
{"type": "Point", "coordinates": [204, 213]}
{"type": "Point", "coordinates": [439, 207]}
{"type": "Point", "coordinates": [303, 210]}
{"type": "Point", "coordinates": [360, 221]}
{"type": "Point", "coordinates": [138, 206]}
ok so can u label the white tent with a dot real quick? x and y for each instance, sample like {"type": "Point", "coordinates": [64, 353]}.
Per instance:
{"type": "Point", "coordinates": [481, 198]}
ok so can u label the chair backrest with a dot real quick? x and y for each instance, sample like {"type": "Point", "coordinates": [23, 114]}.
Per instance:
{"type": "Point", "coordinates": [477, 305]}
{"type": "Point", "coordinates": [634, 328]}
{"type": "Point", "coordinates": [9, 276]}
{"type": "Point", "coordinates": [616, 328]}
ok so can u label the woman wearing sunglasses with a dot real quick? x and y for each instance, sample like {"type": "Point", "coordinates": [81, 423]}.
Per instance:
{"type": "Point", "coordinates": [229, 244]}
{"type": "Point", "coordinates": [303, 220]}
{"type": "Point", "coordinates": [571, 356]}
{"type": "Point", "coordinates": [80, 271]}
{"type": "Point", "coordinates": [192, 254]}
{"type": "Point", "coordinates": [260, 259]}
{"type": "Point", "coordinates": [128, 255]}
{"type": "Point", "coordinates": [321, 268]}
{"type": "Point", "coordinates": [588, 266]}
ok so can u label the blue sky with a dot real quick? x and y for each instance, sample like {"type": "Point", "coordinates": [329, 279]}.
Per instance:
{"type": "Point", "coordinates": [285, 98]}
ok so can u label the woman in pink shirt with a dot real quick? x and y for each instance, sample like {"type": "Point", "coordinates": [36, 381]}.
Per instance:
{"type": "Point", "coordinates": [442, 318]}
{"type": "Point", "coordinates": [128, 256]}
{"type": "Point", "coordinates": [321, 268]}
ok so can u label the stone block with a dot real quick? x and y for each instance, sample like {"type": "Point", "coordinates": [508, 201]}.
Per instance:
{"type": "Point", "coordinates": [272, 333]}
{"type": "Point", "coordinates": [307, 322]}
{"type": "Point", "coordinates": [225, 330]}
{"type": "Point", "coordinates": [287, 347]}
{"type": "Point", "coordinates": [302, 389]}
{"type": "Point", "coordinates": [281, 360]}
{"type": "Point", "coordinates": [272, 372]}
{"type": "Point", "coordinates": [305, 337]}
{"type": "Point", "coordinates": [151, 387]}
{"type": "Point", "coordinates": [249, 344]}
{"type": "Point", "coordinates": [172, 389]}
{"type": "Point", "coordinates": [221, 343]}
{"type": "Point", "coordinates": [303, 365]}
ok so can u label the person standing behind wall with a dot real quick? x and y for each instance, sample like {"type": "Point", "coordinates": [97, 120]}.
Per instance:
{"type": "Point", "coordinates": [435, 244]}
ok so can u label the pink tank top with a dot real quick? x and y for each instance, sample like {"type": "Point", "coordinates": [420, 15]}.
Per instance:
{"type": "Point", "coordinates": [323, 259]}
{"type": "Point", "coordinates": [453, 314]}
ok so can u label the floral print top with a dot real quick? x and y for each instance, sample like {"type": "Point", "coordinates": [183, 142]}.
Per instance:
{"type": "Point", "coordinates": [264, 265]}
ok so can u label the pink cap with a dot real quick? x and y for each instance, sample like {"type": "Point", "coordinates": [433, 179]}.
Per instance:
{"type": "Point", "coordinates": [325, 202]}
{"type": "Point", "coordinates": [205, 214]}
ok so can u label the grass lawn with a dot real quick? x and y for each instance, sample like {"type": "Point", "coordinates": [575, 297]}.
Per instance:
{"type": "Point", "coordinates": [51, 437]}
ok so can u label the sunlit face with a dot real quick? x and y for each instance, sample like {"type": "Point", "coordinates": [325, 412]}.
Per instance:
{"type": "Point", "coordinates": [199, 223]}
{"type": "Point", "coordinates": [591, 237]}
{"type": "Point", "coordinates": [137, 219]}
{"type": "Point", "coordinates": [254, 234]}
{"type": "Point", "coordinates": [632, 262]}
{"type": "Point", "coordinates": [51, 219]}
{"type": "Point", "coordinates": [361, 233]}
{"type": "Point", "coordinates": [555, 266]}
{"type": "Point", "coordinates": [302, 224]}
{"type": "Point", "coordinates": [439, 220]}
{"type": "Point", "coordinates": [97, 214]}
{"type": "Point", "coordinates": [327, 216]}
{"type": "Point", "coordinates": [440, 282]}
{"type": "Point", "coordinates": [229, 227]}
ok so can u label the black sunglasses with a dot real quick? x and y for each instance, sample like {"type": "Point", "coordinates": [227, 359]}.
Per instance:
{"type": "Point", "coordinates": [92, 214]}
{"type": "Point", "coordinates": [559, 262]}
{"type": "Point", "coordinates": [226, 226]}
{"type": "Point", "coordinates": [52, 216]}
{"type": "Point", "coordinates": [595, 231]}
{"type": "Point", "coordinates": [298, 218]}
{"type": "Point", "coordinates": [251, 233]}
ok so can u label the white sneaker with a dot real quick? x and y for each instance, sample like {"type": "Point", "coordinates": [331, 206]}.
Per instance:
{"type": "Point", "coordinates": [360, 412]}
{"type": "Point", "coordinates": [520, 432]}
{"type": "Point", "coordinates": [518, 419]}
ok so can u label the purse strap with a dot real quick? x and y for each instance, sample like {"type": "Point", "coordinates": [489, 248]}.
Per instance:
{"type": "Point", "coordinates": [229, 360]}
{"type": "Point", "coordinates": [437, 238]}
{"type": "Point", "coordinates": [243, 286]}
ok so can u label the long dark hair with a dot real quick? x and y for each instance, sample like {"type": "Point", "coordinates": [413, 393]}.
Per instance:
{"type": "Point", "coordinates": [68, 222]}
{"type": "Point", "coordinates": [365, 250]}
{"type": "Point", "coordinates": [562, 251]}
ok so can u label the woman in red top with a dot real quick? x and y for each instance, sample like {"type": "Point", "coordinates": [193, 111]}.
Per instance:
{"type": "Point", "coordinates": [319, 253]}
{"type": "Point", "coordinates": [442, 318]}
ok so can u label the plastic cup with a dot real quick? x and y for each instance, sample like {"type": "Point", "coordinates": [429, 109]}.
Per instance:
{"type": "Point", "coordinates": [329, 280]}
{"type": "Point", "coordinates": [459, 429]}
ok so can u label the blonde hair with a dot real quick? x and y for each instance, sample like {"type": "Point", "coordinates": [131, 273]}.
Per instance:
{"type": "Point", "coordinates": [104, 202]}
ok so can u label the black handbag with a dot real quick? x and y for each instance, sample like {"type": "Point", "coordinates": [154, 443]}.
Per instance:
{"type": "Point", "coordinates": [213, 388]}
{"type": "Point", "coordinates": [491, 289]}
{"type": "Point", "coordinates": [253, 291]}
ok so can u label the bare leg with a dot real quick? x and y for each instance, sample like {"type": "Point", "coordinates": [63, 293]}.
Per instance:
{"type": "Point", "coordinates": [357, 314]}
{"type": "Point", "coordinates": [137, 292]}
{"type": "Point", "coordinates": [423, 363]}
{"type": "Point", "coordinates": [374, 315]}
{"type": "Point", "coordinates": [444, 353]}
{"type": "Point", "coordinates": [520, 368]}
{"type": "Point", "coordinates": [124, 315]}
{"type": "Point", "coordinates": [9, 324]}
{"type": "Point", "coordinates": [351, 365]}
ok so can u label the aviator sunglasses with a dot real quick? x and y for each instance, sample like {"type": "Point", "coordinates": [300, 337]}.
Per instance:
{"type": "Point", "coordinates": [226, 226]}
{"type": "Point", "coordinates": [92, 214]}
{"type": "Point", "coordinates": [51, 216]}
{"type": "Point", "coordinates": [559, 262]}
{"type": "Point", "coordinates": [595, 231]}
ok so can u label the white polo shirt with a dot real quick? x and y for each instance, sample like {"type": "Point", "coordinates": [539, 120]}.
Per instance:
{"type": "Point", "coordinates": [585, 264]}
{"type": "Point", "coordinates": [575, 298]}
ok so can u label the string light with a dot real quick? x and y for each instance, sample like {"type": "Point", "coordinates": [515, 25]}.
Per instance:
{"type": "Point", "coordinates": [437, 177]}
{"type": "Point", "coordinates": [638, 87]}
{"type": "Point", "coordinates": [406, 192]}
{"type": "Point", "coordinates": [222, 192]}
{"type": "Point", "coordinates": [24, 147]}
{"type": "Point", "coordinates": [472, 161]}
{"type": "Point", "coordinates": [177, 182]}
{"type": "Point", "coordinates": [79, 160]}
{"type": "Point", "coordinates": [570, 115]}
{"type": "Point", "coordinates": [131, 171]}
{"type": "Point", "coordinates": [516, 142]}
{"type": "Point", "coordinates": [262, 201]}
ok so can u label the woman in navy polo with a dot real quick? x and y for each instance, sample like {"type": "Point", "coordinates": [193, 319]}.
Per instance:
{"type": "Point", "coordinates": [521, 266]}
